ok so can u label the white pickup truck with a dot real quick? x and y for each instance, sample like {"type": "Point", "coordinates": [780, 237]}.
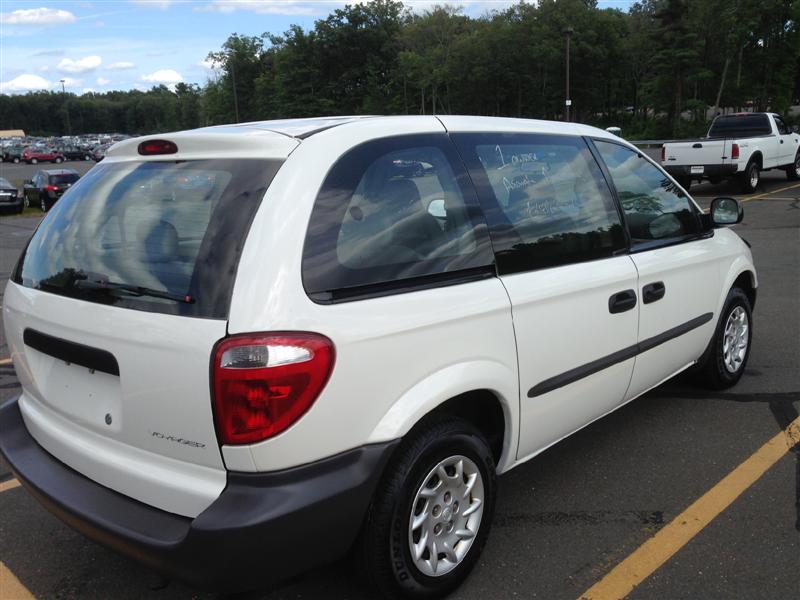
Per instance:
{"type": "Point", "coordinates": [738, 147]}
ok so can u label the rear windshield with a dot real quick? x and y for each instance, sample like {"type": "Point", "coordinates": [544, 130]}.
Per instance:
{"type": "Point", "coordinates": [740, 126]}
{"type": "Point", "coordinates": [62, 179]}
{"type": "Point", "coordinates": [156, 236]}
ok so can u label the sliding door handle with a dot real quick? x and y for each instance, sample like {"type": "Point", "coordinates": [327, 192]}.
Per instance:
{"type": "Point", "coordinates": [653, 292]}
{"type": "Point", "coordinates": [622, 301]}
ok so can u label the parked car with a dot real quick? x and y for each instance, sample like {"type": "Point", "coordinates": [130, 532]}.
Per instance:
{"type": "Point", "coordinates": [75, 153]}
{"type": "Point", "coordinates": [737, 147]}
{"type": "Point", "coordinates": [362, 389]}
{"type": "Point", "coordinates": [10, 198]}
{"type": "Point", "coordinates": [33, 156]}
{"type": "Point", "coordinates": [13, 154]}
{"type": "Point", "coordinates": [47, 186]}
{"type": "Point", "coordinates": [99, 153]}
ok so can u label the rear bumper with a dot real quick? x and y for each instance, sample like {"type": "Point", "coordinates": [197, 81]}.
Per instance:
{"type": "Point", "coordinates": [262, 528]}
{"type": "Point", "coordinates": [709, 171]}
{"type": "Point", "coordinates": [13, 206]}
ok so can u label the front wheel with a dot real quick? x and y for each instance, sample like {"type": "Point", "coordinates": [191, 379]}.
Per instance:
{"type": "Point", "coordinates": [750, 178]}
{"type": "Point", "coordinates": [729, 349]}
{"type": "Point", "coordinates": [34, 161]}
{"type": "Point", "coordinates": [431, 514]}
{"type": "Point", "coordinates": [58, 160]}
{"type": "Point", "coordinates": [793, 171]}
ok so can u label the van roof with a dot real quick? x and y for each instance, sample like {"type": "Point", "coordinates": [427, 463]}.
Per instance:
{"type": "Point", "coordinates": [277, 138]}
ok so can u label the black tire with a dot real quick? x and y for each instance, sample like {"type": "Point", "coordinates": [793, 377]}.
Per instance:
{"type": "Point", "coordinates": [382, 554]}
{"type": "Point", "coordinates": [26, 202]}
{"type": "Point", "coordinates": [16, 160]}
{"type": "Point", "coordinates": [684, 182]}
{"type": "Point", "coordinates": [43, 205]}
{"type": "Point", "coordinates": [750, 178]}
{"type": "Point", "coordinates": [34, 161]}
{"type": "Point", "coordinates": [793, 171]}
{"type": "Point", "coordinates": [58, 160]}
{"type": "Point", "coordinates": [87, 157]}
{"type": "Point", "coordinates": [713, 372]}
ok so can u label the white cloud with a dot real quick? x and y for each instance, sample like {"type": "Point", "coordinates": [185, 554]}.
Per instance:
{"type": "Point", "coordinates": [82, 65]}
{"type": "Point", "coordinates": [271, 7]}
{"type": "Point", "coordinates": [103, 81]}
{"type": "Point", "coordinates": [37, 16]}
{"type": "Point", "coordinates": [163, 76]}
{"type": "Point", "coordinates": [24, 83]}
{"type": "Point", "coordinates": [69, 82]}
{"type": "Point", "coordinates": [43, 69]}
{"type": "Point", "coordinates": [210, 64]}
{"type": "Point", "coordinates": [120, 66]}
{"type": "Point", "coordinates": [160, 4]}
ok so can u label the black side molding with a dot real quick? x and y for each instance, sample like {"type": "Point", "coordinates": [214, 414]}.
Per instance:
{"type": "Point", "coordinates": [590, 368]}
{"type": "Point", "coordinates": [86, 356]}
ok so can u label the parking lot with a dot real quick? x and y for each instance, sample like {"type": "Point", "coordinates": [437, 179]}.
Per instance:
{"type": "Point", "coordinates": [569, 517]}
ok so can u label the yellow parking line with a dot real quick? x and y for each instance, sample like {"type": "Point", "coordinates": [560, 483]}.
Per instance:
{"type": "Point", "coordinates": [10, 586]}
{"type": "Point", "coordinates": [8, 485]}
{"type": "Point", "coordinates": [646, 559]}
{"type": "Point", "coordinates": [758, 196]}
{"type": "Point", "coordinates": [5, 361]}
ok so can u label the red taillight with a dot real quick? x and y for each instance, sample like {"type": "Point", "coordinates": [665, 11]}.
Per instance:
{"type": "Point", "coordinates": [735, 151]}
{"type": "Point", "coordinates": [51, 188]}
{"type": "Point", "coordinates": [263, 383]}
{"type": "Point", "coordinates": [152, 147]}
{"type": "Point", "coordinates": [663, 153]}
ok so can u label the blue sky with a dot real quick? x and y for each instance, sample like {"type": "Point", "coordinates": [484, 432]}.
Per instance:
{"type": "Point", "coordinates": [101, 45]}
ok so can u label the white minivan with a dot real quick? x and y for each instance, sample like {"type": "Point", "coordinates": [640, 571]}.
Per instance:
{"type": "Point", "coordinates": [249, 350]}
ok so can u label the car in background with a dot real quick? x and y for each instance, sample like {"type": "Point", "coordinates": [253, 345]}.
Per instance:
{"type": "Point", "coordinates": [10, 198]}
{"type": "Point", "coordinates": [76, 153]}
{"type": "Point", "coordinates": [33, 156]}
{"type": "Point", "coordinates": [13, 154]}
{"type": "Point", "coordinates": [99, 153]}
{"type": "Point", "coordinates": [47, 186]}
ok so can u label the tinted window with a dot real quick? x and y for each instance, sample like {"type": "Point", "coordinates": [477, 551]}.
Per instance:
{"type": "Point", "coordinates": [734, 126]}
{"type": "Point", "coordinates": [62, 179]}
{"type": "Point", "coordinates": [176, 228]}
{"type": "Point", "coordinates": [545, 199]}
{"type": "Point", "coordinates": [783, 129]}
{"type": "Point", "coordinates": [655, 207]}
{"type": "Point", "coordinates": [390, 211]}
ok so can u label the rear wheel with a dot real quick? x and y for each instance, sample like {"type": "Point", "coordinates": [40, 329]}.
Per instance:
{"type": "Point", "coordinates": [793, 171]}
{"type": "Point", "coordinates": [34, 161]}
{"type": "Point", "coordinates": [727, 353]}
{"type": "Point", "coordinates": [58, 160]}
{"type": "Point", "coordinates": [750, 178]}
{"type": "Point", "coordinates": [16, 160]}
{"type": "Point", "coordinates": [430, 516]}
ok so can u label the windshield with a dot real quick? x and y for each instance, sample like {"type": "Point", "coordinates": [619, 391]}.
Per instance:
{"type": "Point", "coordinates": [62, 179]}
{"type": "Point", "coordinates": [149, 235]}
{"type": "Point", "coordinates": [740, 126]}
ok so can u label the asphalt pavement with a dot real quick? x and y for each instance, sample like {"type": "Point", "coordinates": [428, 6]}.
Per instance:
{"type": "Point", "coordinates": [568, 517]}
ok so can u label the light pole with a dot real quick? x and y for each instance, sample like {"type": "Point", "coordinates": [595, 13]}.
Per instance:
{"type": "Point", "coordinates": [568, 102]}
{"type": "Point", "coordinates": [66, 105]}
{"type": "Point", "coordinates": [231, 62]}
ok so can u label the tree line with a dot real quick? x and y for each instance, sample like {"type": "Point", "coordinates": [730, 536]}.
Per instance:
{"type": "Point", "coordinates": [657, 70]}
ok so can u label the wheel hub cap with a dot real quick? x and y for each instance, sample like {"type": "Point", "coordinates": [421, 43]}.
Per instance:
{"type": "Point", "coordinates": [735, 339]}
{"type": "Point", "coordinates": [446, 515]}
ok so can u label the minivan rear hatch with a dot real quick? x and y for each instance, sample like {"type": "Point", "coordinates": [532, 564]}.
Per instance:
{"type": "Point", "coordinates": [112, 315]}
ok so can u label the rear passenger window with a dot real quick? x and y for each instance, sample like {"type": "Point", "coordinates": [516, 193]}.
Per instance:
{"type": "Point", "coordinates": [545, 199]}
{"type": "Point", "coordinates": [392, 211]}
{"type": "Point", "coordinates": [655, 207]}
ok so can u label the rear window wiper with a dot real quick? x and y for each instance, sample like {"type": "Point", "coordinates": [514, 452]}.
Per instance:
{"type": "Point", "coordinates": [136, 290]}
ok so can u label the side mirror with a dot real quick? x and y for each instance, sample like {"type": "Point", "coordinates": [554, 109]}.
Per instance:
{"type": "Point", "coordinates": [726, 211]}
{"type": "Point", "coordinates": [437, 209]}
